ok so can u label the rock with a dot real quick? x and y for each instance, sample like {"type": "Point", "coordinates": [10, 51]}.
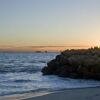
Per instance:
{"type": "Point", "coordinates": [82, 64]}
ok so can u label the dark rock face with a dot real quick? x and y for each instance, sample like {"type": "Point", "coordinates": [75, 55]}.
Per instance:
{"type": "Point", "coordinates": [83, 64]}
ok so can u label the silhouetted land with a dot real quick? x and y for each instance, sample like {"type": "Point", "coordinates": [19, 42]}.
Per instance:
{"type": "Point", "coordinates": [80, 63]}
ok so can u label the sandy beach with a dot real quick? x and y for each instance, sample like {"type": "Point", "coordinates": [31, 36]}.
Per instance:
{"type": "Point", "coordinates": [69, 94]}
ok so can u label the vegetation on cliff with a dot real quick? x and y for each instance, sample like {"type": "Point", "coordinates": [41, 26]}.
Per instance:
{"type": "Point", "coordinates": [80, 63]}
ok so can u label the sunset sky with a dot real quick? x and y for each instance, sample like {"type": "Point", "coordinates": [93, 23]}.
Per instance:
{"type": "Point", "coordinates": [26, 23]}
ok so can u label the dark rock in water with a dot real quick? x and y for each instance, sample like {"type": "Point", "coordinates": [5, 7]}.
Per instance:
{"type": "Point", "coordinates": [83, 64]}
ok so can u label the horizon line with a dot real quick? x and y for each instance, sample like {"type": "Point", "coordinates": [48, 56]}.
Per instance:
{"type": "Point", "coordinates": [43, 46]}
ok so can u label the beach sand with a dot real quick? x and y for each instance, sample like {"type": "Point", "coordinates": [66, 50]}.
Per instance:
{"type": "Point", "coordinates": [69, 94]}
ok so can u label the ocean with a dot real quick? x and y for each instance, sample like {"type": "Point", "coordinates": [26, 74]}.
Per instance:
{"type": "Point", "coordinates": [20, 72]}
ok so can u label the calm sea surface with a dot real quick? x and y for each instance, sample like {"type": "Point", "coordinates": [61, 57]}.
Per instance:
{"type": "Point", "coordinates": [21, 72]}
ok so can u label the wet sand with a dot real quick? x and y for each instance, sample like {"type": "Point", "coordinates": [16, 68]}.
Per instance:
{"type": "Point", "coordinates": [69, 94]}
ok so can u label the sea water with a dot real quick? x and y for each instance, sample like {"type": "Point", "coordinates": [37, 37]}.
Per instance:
{"type": "Point", "coordinates": [21, 72]}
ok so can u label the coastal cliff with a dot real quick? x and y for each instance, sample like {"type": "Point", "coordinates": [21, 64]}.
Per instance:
{"type": "Point", "coordinates": [80, 63]}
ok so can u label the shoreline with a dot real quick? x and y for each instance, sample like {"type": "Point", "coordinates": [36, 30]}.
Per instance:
{"type": "Point", "coordinates": [21, 96]}
{"type": "Point", "coordinates": [85, 93]}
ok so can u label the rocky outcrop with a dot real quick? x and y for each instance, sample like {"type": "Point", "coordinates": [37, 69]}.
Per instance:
{"type": "Point", "coordinates": [83, 64]}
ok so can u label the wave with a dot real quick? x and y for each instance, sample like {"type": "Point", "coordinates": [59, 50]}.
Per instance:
{"type": "Point", "coordinates": [21, 72]}
{"type": "Point", "coordinates": [21, 67]}
{"type": "Point", "coordinates": [20, 81]}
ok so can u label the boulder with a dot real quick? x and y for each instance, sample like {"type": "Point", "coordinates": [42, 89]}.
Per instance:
{"type": "Point", "coordinates": [82, 64]}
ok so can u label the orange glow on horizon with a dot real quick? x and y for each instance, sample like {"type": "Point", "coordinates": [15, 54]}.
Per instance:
{"type": "Point", "coordinates": [40, 48]}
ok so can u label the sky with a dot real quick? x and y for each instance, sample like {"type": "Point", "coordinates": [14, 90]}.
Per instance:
{"type": "Point", "coordinates": [26, 23]}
